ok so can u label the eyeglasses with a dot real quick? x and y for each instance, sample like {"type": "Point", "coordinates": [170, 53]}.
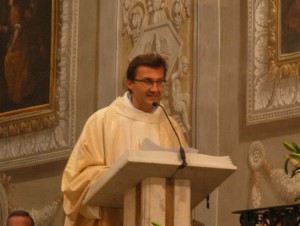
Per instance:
{"type": "Point", "coordinates": [149, 82]}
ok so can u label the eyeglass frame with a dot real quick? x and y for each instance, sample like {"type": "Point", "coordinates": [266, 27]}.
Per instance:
{"type": "Point", "coordinates": [149, 82]}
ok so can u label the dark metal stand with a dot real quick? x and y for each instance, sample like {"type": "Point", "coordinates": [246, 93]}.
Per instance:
{"type": "Point", "coordinates": [287, 215]}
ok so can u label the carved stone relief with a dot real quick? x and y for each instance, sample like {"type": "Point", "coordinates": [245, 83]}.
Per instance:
{"type": "Point", "coordinates": [270, 96]}
{"type": "Point", "coordinates": [261, 168]}
{"type": "Point", "coordinates": [3, 206]}
{"type": "Point", "coordinates": [53, 143]}
{"type": "Point", "coordinates": [163, 27]}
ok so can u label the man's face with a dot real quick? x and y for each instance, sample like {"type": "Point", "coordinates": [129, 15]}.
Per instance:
{"type": "Point", "coordinates": [19, 221]}
{"type": "Point", "coordinates": [143, 94]}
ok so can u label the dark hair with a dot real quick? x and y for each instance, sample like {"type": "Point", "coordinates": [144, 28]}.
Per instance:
{"type": "Point", "coordinates": [149, 60]}
{"type": "Point", "coordinates": [20, 213]}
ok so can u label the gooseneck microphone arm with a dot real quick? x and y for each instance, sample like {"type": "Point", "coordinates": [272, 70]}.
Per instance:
{"type": "Point", "coordinates": [181, 150]}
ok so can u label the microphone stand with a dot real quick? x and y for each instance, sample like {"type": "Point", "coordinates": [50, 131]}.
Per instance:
{"type": "Point", "coordinates": [181, 150]}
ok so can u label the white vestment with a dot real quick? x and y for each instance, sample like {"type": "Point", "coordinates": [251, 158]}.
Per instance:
{"type": "Point", "coordinates": [107, 134]}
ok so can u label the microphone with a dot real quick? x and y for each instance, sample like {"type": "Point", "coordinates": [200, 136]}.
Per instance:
{"type": "Point", "coordinates": [181, 150]}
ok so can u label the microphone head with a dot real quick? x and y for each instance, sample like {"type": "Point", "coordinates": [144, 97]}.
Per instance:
{"type": "Point", "coordinates": [154, 104]}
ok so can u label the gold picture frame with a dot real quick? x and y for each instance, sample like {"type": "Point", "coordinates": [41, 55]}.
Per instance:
{"type": "Point", "coordinates": [31, 104]}
{"type": "Point", "coordinates": [270, 95]}
{"type": "Point", "coordinates": [284, 38]}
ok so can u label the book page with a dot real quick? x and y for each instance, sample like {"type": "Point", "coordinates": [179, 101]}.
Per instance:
{"type": "Point", "coordinates": [149, 145]}
{"type": "Point", "coordinates": [210, 160]}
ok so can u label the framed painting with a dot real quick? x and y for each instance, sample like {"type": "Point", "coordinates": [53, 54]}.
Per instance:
{"type": "Point", "coordinates": [284, 38]}
{"type": "Point", "coordinates": [28, 31]}
{"type": "Point", "coordinates": [37, 121]}
{"type": "Point", "coordinates": [270, 94]}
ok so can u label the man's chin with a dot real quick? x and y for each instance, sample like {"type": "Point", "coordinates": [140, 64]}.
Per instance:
{"type": "Point", "coordinates": [153, 101]}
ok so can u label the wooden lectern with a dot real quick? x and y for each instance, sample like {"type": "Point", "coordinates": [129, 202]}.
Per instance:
{"type": "Point", "coordinates": [150, 188]}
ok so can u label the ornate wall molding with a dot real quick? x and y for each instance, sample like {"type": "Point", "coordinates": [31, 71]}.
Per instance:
{"type": "Point", "coordinates": [269, 98]}
{"type": "Point", "coordinates": [163, 27]}
{"type": "Point", "coordinates": [53, 143]}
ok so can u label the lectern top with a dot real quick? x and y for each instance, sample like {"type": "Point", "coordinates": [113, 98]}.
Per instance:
{"type": "Point", "coordinates": [204, 171]}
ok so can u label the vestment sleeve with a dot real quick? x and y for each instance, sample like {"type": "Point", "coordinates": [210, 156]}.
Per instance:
{"type": "Point", "coordinates": [86, 163]}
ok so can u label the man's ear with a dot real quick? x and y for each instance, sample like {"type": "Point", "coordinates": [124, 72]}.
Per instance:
{"type": "Point", "coordinates": [129, 84]}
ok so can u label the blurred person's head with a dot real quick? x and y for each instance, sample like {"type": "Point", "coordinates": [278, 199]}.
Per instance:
{"type": "Point", "coordinates": [20, 218]}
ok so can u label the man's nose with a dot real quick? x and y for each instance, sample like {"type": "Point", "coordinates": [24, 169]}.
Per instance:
{"type": "Point", "coordinates": [154, 87]}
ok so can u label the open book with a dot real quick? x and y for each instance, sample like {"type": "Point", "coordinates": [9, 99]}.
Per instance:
{"type": "Point", "coordinates": [149, 145]}
{"type": "Point", "coordinates": [207, 160]}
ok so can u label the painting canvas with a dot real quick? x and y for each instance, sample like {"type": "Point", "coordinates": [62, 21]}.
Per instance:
{"type": "Point", "coordinates": [289, 29]}
{"type": "Point", "coordinates": [284, 36]}
{"type": "Point", "coordinates": [27, 40]}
